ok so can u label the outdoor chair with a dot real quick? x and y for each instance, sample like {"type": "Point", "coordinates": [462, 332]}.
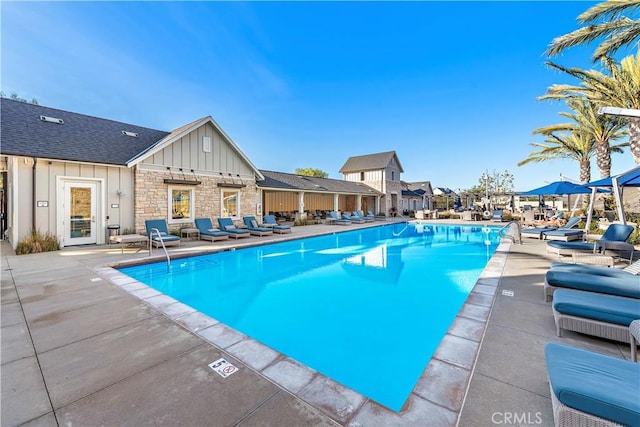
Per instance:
{"type": "Point", "coordinates": [600, 315]}
{"type": "Point", "coordinates": [496, 216]}
{"type": "Point", "coordinates": [623, 284]}
{"type": "Point", "coordinates": [591, 389]}
{"type": "Point", "coordinates": [157, 238]}
{"type": "Point", "coordinates": [351, 218]}
{"type": "Point", "coordinates": [540, 232]}
{"type": "Point", "coordinates": [270, 221]}
{"type": "Point", "coordinates": [254, 228]}
{"type": "Point", "coordinates": [614, 237]}
{"type": "Point", "coordinates": [360, 216]}
{"type": "Point", "coordinates": [333, 218]}
{"type": "Point", "coordinates": [208, 231]}
{"type": "Point", "coordinates": [227, 225]}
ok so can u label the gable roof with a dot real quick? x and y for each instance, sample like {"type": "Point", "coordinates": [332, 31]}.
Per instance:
{"type": "Point", "coordinates": [289, 181]}
{"type": "Point", "coordinates": [81, 138]}
{"type": "Point", "coordinates": [421, 187]}
{"type": "Point", "coordinates": [370, 162]}
{"type": "Point", "coordinates": [184, 130]}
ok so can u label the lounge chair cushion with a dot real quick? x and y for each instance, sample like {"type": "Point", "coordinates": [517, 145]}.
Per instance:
{"type": "Point", "coordinates": [563, 233]}
{"type": "Point", "coordinates": [600, 385]}
{"type": "Point", "coordinates": [596, 269]}
{"type": "Point", "coordinates": [625, 286]}
{"type": "Point", "coordinates": [576, 246]}
{"type": "Point", "coordinates": [230, 227]}
{"type": "Point", "coordinates": [605, 308]}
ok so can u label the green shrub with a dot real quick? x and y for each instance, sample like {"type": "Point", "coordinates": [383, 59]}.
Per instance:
{"type": "Point", "coordinates": [37, 242]}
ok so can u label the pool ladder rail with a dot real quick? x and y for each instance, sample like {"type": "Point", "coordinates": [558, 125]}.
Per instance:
{"type": "Point", "coordinates": [510, 234]}
{"type": "Point", "coordinates": [164, 248]}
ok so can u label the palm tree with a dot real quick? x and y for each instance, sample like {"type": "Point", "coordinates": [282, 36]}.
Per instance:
{"type": "Point", "coordinates": [620, 88]}
{"type": "Point", "coordinates": [576, 145]}
{"type": "Point", "coordinates": [603, 129]}
{"type": "Point", "coordinates": [604, 20]}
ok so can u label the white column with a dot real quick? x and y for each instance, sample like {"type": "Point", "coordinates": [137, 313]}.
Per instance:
{"type": "Point", "coordinates": [335, 201]}
{"type": "Point", "coordinates": [359, 202]}
{"type": "Point", "coordinates": [301, 205]}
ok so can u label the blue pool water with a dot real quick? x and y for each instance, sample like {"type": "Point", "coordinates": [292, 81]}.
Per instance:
{"type": "Point", "coordinates": [367, 308]}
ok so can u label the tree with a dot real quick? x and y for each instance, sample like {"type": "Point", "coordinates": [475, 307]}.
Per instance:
{"type": "Point", "coordinates": [603, 129]}
{"type": "Point", "coordinates": [491, 183]}
{"type": "Point", "coordinates": [603, 21]}
{"type": "Point", "coordinates": [15, 97]}
{"type": "Point", "coordinates": [620, 88]}
{"type": "Point", "coordinates": [576, 145]}
{"type": "Point", "coordinates": [311, 172]}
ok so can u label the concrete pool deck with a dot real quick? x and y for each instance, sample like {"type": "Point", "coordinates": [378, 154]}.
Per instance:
{"type": "Point", "coordinates": [82, 346]}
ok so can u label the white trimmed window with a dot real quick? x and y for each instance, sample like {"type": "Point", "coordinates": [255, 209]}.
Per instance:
{"type": "Point", "coordinates": [230, 203]}
{"type": "Point", "coordinates": [181, 203]}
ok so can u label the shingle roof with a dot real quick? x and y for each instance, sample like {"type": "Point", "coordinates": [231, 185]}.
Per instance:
{"type": "Point", "coordinates": [289, 181]}
{"type": "Point", "coordinates": [81, 137]}
{"type": "Point", "coordinates": [370, 162]}
{"type": "Point", "coordinates": [421, 187]}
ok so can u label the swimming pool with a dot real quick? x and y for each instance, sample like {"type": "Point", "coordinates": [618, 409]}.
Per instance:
{"type": "Point", "coordinates": [367, 308]}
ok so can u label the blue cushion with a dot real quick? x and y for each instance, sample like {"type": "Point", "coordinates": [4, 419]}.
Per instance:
{"type": "Point", "coordinates": [584, 246]}
{"type": "Point", "coordinates": [600, 385]}
{"type": "Point", "coordinates": [165, 238]}
{"type": "Point", "coordinates": [626, 286]}
{"type": "Point", "coordinates": [282, 227]}
{"type": "Point", "coordinates": [602, 307]}
{"type": "Point", "coordinates": [590, 269]}
{"type": "Point", "coordinates": [564, 233]}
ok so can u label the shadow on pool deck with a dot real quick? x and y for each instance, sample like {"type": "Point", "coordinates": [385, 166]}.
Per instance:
{"type": "Point", "coordinates": [80, 348]}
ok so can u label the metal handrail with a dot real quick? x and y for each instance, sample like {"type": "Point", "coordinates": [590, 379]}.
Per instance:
{"type": "Point", "coordinates": [515, 239]}
{"type": "Point", "coordinates": [161, 242]}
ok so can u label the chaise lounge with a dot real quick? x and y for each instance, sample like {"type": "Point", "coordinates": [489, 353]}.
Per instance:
{"type": "Point", "coordinates": [333, 217]}
{"type": "Point", "coordinates": [612, 237]}
{"type": "Point", "coordinates": [600, 315]}
{"type": "Point", "coordinates": [591, 389]}
{"type": "Point", "coordinates": [352, 218]}
{"type": "Point", "coordinates": [622, 284]}
{"type": "Point", "coordinates": [541, 232]}
{"type": "Point", "coordinates": [208, 231]}
{"type": "Point", "coordinates": [227, 225]}
{"type": "Point", "coordinates": [376, 217]}
{"type": "Point", "coordinates": [254, 228]}
{"type": "Point", "coordinates": [270, 221]}
{"type": "Point", "coordinates": [162, 235]}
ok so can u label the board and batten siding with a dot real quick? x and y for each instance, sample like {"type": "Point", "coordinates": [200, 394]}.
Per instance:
{"type": "Point", "coordinates": [369, 176]}
{"type": "Point", "coordinates": [188, 153]}
{"type": "Point", "coordinates": [112, 179]}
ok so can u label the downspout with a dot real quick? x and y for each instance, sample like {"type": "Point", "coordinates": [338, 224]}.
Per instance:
{"type": "Point", "coordinates": [33, 195]}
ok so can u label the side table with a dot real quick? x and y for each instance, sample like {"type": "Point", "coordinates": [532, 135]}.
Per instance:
{"type": "Point", "coordinates": [190, 233]}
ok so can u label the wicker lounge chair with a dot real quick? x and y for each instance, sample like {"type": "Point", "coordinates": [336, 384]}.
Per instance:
{"type": "Point", "coordinates": [227, 225]}
{"type": "Point", "coordinates": [591, 389]}
{"type": "Point", "coordinates": [359, 215]}
{"type": "Point", "coordinates": [208, 231]}
{"type": "Point", "coordinates": [254, 228]}
{"type": "Point", "coordinates": [541, 232]}
{"type": "Point", "coordinates": [614, 235]}
{"type": "Point", "coordinates": [376, 217]}
{"type": "Point", "coordinates": [633, 269]}
{"type": "Point", "coordinates": [622, 284]}
{"type": "Point", "coordinates": [600, 315]}
{"type": "Point", "coordinates": [270, 221]}
{"type": "Point", "coordinates": [156, 240]}
{"type": "Point", "coordinates": [352, 218]}
{"type": "Point", "coordinates": [333, 219]}
{"type": "Point", "coordinates": [497, 215]}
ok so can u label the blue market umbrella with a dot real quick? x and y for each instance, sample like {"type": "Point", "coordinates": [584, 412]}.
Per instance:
{"type": "Point", "coordinates": [558, 188]}
{"type": "Point", "coordinates": [629, 179]}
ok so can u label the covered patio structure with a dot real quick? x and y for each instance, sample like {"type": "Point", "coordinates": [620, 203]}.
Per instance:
{"type": "Point", "coordinates": [297, 197]}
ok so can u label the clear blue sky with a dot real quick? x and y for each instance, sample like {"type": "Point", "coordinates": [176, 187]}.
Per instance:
{"type": "Point", "coordinates": [450, 86]}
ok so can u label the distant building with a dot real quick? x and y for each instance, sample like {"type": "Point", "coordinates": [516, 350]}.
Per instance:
{"type": "Point", "coordinates": [380, 171]}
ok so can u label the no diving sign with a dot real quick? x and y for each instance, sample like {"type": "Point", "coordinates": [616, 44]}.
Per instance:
{"type": "Point", "coordinates": [223, 368]}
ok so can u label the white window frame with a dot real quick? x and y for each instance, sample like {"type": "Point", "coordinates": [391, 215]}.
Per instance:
{"type": "Point", "coordinates": [238, 195]}
{"type": "Point", "coordinates": [192, 204]}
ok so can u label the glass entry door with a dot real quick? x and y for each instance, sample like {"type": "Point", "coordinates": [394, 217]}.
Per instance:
{"type": "Point", "coordinates": [80, 214]}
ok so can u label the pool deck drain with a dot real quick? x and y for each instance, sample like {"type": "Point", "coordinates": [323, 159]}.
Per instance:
{"type": "Point", "coordinates": [75, 351]}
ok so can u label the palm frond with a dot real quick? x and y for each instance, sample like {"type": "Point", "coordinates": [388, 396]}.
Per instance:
{"type": "Point", "coordinates": [611, 9]}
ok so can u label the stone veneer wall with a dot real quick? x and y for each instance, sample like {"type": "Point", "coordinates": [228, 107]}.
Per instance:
{"type": "Point", "coordinates": [151, 198]}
